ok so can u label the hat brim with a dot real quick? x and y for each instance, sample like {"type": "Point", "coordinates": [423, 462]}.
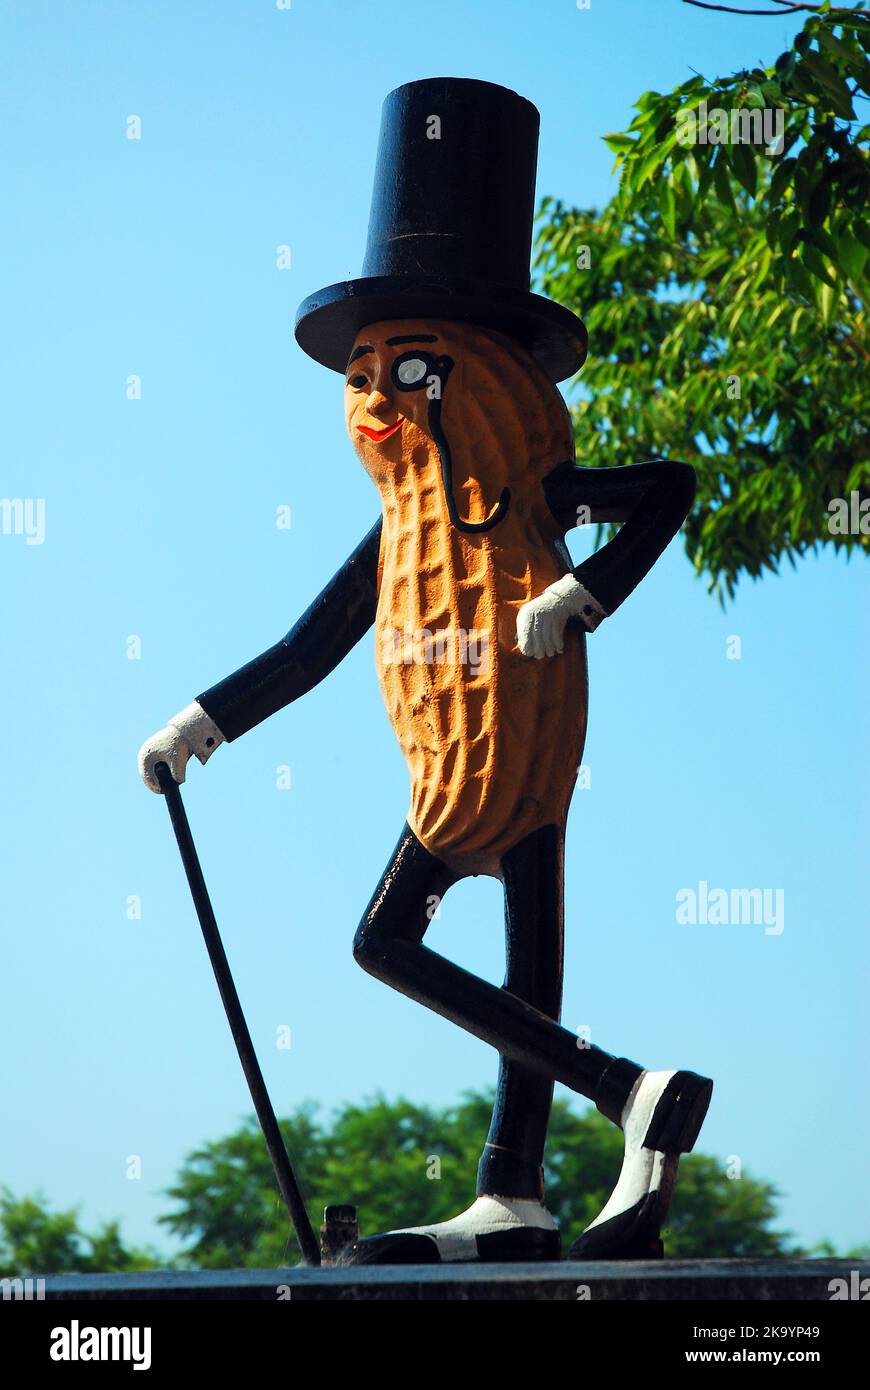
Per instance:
{"type": "Point", "coordinates": [328, 322]}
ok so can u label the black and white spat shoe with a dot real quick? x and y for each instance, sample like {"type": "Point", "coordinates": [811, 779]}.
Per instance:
{"type": "Point", "coordinates": [493, 1228]}
{"type": "Point", "coordinates": [661, 1120]}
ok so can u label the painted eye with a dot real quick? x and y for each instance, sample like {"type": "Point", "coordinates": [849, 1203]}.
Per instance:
{"type": "Point", "coordinates": [411, 371]}
{"type": "Point", "coordinates": [357, 382]}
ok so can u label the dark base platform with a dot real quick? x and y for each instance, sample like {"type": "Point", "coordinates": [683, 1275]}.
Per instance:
{"type": "Point", "coordinates": [627, 1280]}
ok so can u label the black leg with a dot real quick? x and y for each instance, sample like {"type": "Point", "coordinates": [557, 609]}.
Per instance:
{"type": "Point", "coordinates": [388, 945]}
{"type": "Point", "coordinates": [511, 1163]}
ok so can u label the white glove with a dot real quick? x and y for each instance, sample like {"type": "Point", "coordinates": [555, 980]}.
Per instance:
{"type": "Point", "coordinates": [190, 731]}
{"type": "Point", "coordinates": [541, 621]}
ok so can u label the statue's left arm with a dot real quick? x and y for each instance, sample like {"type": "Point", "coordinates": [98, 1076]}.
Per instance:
{"type": "Point", "coordinates": [651, 500]}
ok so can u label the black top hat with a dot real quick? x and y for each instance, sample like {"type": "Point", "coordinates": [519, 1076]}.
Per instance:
{"type": "Point", "coordinates": [450, 231]}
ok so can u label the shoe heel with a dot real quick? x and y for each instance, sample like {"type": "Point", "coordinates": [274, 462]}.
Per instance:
{"type": "Point", "coordinates": [679, 1114]}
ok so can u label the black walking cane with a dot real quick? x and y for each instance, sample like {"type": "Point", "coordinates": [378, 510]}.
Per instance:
{"type": "Point", "coordinates": [286, 1178]}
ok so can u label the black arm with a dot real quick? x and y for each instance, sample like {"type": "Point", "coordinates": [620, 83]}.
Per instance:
{"type": "Point", "coordinates": [651, 499]}
{"type": "Point", "coordinates": [323, 636]}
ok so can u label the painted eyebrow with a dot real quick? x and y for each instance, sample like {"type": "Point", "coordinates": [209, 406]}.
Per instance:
{"type": "Point", "coordinates": [360, 352]}
{"type": "Point", "coordinates": [414, 338]}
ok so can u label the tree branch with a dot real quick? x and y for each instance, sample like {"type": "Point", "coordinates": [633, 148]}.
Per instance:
{"type": "Point", "coordinates": [787, 8]}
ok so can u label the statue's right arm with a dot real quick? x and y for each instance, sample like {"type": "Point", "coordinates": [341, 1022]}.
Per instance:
{"type": "Point", "coordinates": [328, 629]}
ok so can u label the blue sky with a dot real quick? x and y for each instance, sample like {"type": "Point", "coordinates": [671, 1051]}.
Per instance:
{"type": "Point", "coordinates": [157, 258]}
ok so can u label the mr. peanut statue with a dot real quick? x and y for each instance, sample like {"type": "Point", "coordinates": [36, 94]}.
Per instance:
{"type": "Point", "coordinates": [450, 367]}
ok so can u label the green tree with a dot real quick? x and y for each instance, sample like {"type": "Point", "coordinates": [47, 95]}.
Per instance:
{"type": "Point", "coordinates": [400, 1164]}
{"type": "Point", "coordinates": [403, 1164]}
{"type": "Point", "coordinates": [229, 1209]}
{"type": "Point", "coordinates": [725, 292]}
{"type": "Point", "coordinates": [34, 1240]}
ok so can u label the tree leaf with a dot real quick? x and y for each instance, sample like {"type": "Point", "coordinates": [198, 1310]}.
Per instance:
{"type": "Point", "coordinates": [669, 209]}
{"type": "Point", "coordinates": [852, 254]}
{"type": "Point", "coordinates": [743, 164]}
{"type": "Point", "coordinates": [722, 182]}
{"type": "Point", "coordinates": [819, 204]}
{"type": "Point", "coordinates": [781, 180]}
{"type": "Point", "coordinates": [829, 300]}
{"type": "Point", "coordinates": [813, 261]}
{"type": "Point", "coordinates": [788, 229]}
{"type": "Point", "coordinates": [619, 142]}
{"type": "Point", "coordinates": [853, 61]}
{"type": "Point", "coordinates": [820, 77]}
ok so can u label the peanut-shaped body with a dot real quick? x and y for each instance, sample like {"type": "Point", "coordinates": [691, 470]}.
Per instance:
{"type": "Point", "coordinates": [492, 739]}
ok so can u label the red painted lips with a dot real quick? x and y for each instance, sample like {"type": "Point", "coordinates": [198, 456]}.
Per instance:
{"type": "Point", "coordinates": [380, 435]}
